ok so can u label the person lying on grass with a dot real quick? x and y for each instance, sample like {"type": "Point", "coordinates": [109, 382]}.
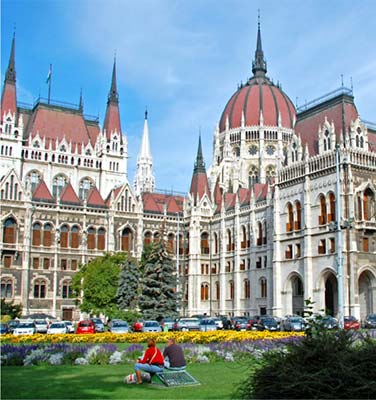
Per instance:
{"type": "Point", "coordinates": [152, 361]}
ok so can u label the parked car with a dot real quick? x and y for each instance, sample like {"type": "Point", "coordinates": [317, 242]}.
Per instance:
{"type": "Point", "coordinates": [370, 321]}
{"type": "Point", "coordinates": [12, 324]}
{"type": "Point", "coordinates": [69, 325]}
{"type": "Point", "coordinates": [350, 322]}
{"type": "Point", "coordinates": [151, 326]}
{"type": "Point", "coordinates": [4, 328]}
{"type": "Point", "coordinates": [218, 321]}
{"type": "Point", "coordinates": [85, 326]}
{"type": "Point", "coordinates": [208, 324]}
{"type": "Point", "coordinates": [328, 322]}
{"type": "Point", "coordinates": [293, 323]}
{"type": "Point", "coordinates": [168, 324]}
{"type": "Point", "coordinates": [187, 324]}
{"type": "Point", "coordinates": [267, 323]}
{"type": "Point", "coordinates": [226, 322]}
{"type": "Point", "coordinates": [57, 327]}
{"type": "Point", "coordinates": [119, 326]}
{"type": "Point", "coordinates": [254, 321]}
{"type": "Point", "coordinates": [41, 325]}
{"type": "Point", "coordinates": [137, 326]}
{"type": "Point", "coordinates": [241, 324]}
{"type": "Point", "coordinates": [99, 325]}
{"type": "Point", "coordinates": [25, 328]}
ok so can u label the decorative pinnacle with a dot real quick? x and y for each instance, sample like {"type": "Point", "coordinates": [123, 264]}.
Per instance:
{"type": "Point", "coordinates": [199, 164]}
{"type": "Point", "coordinates": [10, 75]}
{"type": "Point", "coordinates": [113, 95]}
{"type": "Point", "coordinates": [259, 63]}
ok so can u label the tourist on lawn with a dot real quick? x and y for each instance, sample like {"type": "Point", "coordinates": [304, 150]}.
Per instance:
{"type": "Point", "coordinates": [174, 356]}
{"type": "Point", "coordinates": [151, 362]}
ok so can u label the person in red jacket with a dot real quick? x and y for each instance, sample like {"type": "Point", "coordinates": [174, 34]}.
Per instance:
{"type": "Point", "coordinates": [152, 361]}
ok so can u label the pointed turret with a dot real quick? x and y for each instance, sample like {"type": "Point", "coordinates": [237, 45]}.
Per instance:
{"type": "Point", "coordinates": [81, 104]}
{"type": "Point", "coordinates": [112, 119]}
{"type": "Point", "coordinates": [199, 183]}
{"type": "Point", "coordinates": [8, 97]}
{"type": "Point", "coordinates": [259, 63]}
{"type": "Point", "coordinates": [144, 180]}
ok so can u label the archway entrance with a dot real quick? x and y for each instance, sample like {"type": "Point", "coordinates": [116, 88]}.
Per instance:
{"type": "Point", "coordinates": [366, 300]}
{"type": "Point", "coordinates": [331, 295]}
{"type": "Point", "coordinates": [297, 295]}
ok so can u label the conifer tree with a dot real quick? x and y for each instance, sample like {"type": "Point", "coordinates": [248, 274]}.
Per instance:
{"type": "Point", "coordinates": [128, 289]}
{"type": "Point", "coordinates": [158, 295]}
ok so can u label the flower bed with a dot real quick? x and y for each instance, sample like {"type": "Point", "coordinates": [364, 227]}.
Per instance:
{"type": "Point", "coordinates": [181, 337]}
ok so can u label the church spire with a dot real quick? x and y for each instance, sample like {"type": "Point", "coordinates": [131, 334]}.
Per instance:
{"type": "Point", "coordinates": [113, 95]}
{"type": "Point", "coordinates": [199, 183]}
{"type": "Point", "coordinates": [9, 96]}
{"type": "Point", "coordinates": [199, 164]}
{"type": "Point", "coordinates": [10, 75]}
{"type": "Point", "coordinates": [259, 63]}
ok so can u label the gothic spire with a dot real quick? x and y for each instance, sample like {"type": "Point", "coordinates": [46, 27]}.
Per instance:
{"type": "Point", "coordinates": [113, 95]}
{"type": "Point", "coordinates": [81, 104]}
{"type": "Point", "coordinates": [10, 75]}
{"type": "Point", "coordinates": [199, 164]}
{"type": "Point", "coordinates": [199, 183]}
{"type": "Point", "coordinates": [259, 63]}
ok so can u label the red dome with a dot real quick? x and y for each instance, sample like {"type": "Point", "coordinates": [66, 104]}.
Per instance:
{"type": "Point", "coordinates": [256, 95]}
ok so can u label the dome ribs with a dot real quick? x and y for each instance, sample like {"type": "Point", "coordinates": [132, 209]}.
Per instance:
{"type": "Point", "coordinates": [246, 102]}
{"type": "Point", "coordinates": [232, 108]}
{"type": "Point", "coordinates": [275, 104]}
{"type": "Point", "coordinates": [260, 102]}
{"type": "Point", "coordinates": [289, 104]}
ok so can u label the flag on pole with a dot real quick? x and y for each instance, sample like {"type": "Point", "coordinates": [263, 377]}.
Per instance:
{"type": "Point", "coordinates": [49, 74]}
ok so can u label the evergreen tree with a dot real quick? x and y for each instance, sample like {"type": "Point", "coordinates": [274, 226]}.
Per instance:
{"type": "Point", "coordinates": [128, 289]}
{"type": "Point", "coordinates": [158, 295]}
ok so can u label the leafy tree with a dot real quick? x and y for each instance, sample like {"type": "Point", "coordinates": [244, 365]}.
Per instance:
{"type": "Point", "coordinates": [96, 284]}
{"type": "Point", "coordinates": [158, 296]}
{"type": "Point", "coordinates": [128, 289]}
{"type": "Point", "coordinates": [10, 309]}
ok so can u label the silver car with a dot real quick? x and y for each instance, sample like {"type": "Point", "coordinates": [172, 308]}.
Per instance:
{"type": "Point", "coordinates": [119, 326]}
{"type": "Point", "coordinates": [208, 324]}
{"type": "Point", "coordinates": [187, 324]}
{"type": "Point", "coordinates": [151, 326]}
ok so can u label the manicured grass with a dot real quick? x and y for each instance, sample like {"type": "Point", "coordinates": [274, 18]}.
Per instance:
{"type": "Point", "coordinates": [218, 381]}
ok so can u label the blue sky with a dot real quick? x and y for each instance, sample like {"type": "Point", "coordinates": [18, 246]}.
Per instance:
{"type": "Point", "coordinates": [183, 60]}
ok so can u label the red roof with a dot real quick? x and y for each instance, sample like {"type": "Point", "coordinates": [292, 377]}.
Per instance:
{"type": "Point", "coordinates": [155, 202]}
{"type": "Point", "coordinates": [230, 200]}
{"type": "Point", "coordinates": [94, 198]}
{"type": "Point", "coordinates": [8, 99]}
{"type": "Point", "coordinates": [199, 185]}
{"type": "Point", "coordinates": [244, 195]}
{"type": "Point", "coordinates": [258, 94]}
{"type": "Point", "coordinates": [68, 195]}
{"type": "Point", "coordinates": [309, 121]}
{"type": "Point", "coordinates": [56, 123]}
{"type": "Point", "coordinates": [261, 191]}
{"type": "Point", "coordinates": [115, 192]}
{"type": "Point", "coordinates": [93, 131]}
{"type": "Point", "coordinates": [42, 193]}
{"type": "Point", "coordinates": [112, 120]}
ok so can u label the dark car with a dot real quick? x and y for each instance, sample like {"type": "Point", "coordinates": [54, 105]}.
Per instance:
{"type": "Point", "coordinates": [241, 324]}
{"type": "Point", "coordinates": [98, 323]}
{"type": "Point", "coordinates": [268, 324]}
{"type": "Point", "coordinates": [370, 321]}
{"type": "Point", "coordinates": [328, 322]}
{"type": "Point", "coordinates": [293, 323]}
{"type": "Point", "coordinates": [4, 328]}
{"type": "Point", "coordinates": [350, 322]}
{"type": "Point", "coordinates": [85, 326]}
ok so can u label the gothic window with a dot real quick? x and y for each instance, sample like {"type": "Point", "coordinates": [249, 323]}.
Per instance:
{"type": "Point", "coordinates": [247, 289]}
{"type": "Point", "coordinates": [298, 222]}
{"type": "Point", "coordinates": [204, 243]}
{"type": "Point", "coordinates": [368, 205]}
{"type": "Point", "coordinates": [6, 288]}
{"type": "Point", "coordinates": [270, 150]}
{"type": "Point", "coordinates": [244, 243]}
{"type": "Point", "coordinates": [47, 235]}
{"type": "Point", "coordinates": [231, 290]}
{"type": "Point", "coordinates": [85, 185]}
{"type": "Point", "coordinates": [40, 289]}
{"type": "Point", "coordinates": [332, 207]}
{"type": "Point", "coordinates": [263, 287]}
{"type": "Point", "coordinates": [294, 153]}
{"type": "Point", "coordinates": [58, 183]}
{"type": "Point", "coordinates": [322, 247]}
{"type": "Point", "coordinates": [297, 287]}
{"type": "Point", "coordinates": [66, 290]}
{"type": "Point", "coordinates": [253, 175]}
{"type": "Point", "coordinates": [33, 179]}
{"type": "Point", "coordinates": [74, 237]}
{"type": "Point", "coordinates": [36, 240]}
{"type": "Point", "coordinates": [253, 150]}
{"type": "Point", "coordinates": [170, 243]}
{"type": "Point", "coordinates": [217, 291]}
{"type": "Point", "coordinates": [91, 238]}
{"type": "Point", "coordinates": [126, 239]}
{"type": "Point", "coordinates": [264, 233]}
{"type": "Point", "coordinates": [230, 245]}
{"type": "Point", "coordinates": [9, 231]}
{"type": "Point", "coordinates": [327, 143]}
{"type": "Point", "coordinates": [88, 152]}
{"type": "Point", "coordinates": [157, 237]}
{"type": "Point", "coordinates": [204, 291]}
{"type": "Point", "coordinates": [288, 252]}
{"type": "Point", "coordinates": [101, 239]}
{"type": "Point", "coordinates": [147, 238]}
{"type": "Point", "coordinates": [323, 212]}
{"type": "Point", "coordinates": [259, 234]}
{"type": "Point", "coordinates": [270, 173]}
{"type": "Point", "coordinates": [216, 244]}
{"type": "Point", "coordinates": [237, 152]}
{"type": "Point", "coordinates": [64, 236]}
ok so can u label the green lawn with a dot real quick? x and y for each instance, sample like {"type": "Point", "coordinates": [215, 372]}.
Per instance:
{"type": "Point", "coordinates": [218, 381]}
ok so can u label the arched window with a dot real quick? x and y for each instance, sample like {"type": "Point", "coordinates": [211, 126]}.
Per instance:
{"type": "Point", "coordinates": [368, 205]}
{"type": "Point", "coordinates": [32, 180]}
{"type": "Point", "coordinates": [247, 289]}
{"type": "Point", "coordinates": [204, 291]}
{"type": "Point", "coordinates": [64, 236]}
{"type": "Point", "coordinates": [217, 290]}
{"type": "Point", "coordinates": [85, 185]}
{"type": "Point", "coordinates": [253, 175]}
{"type": "Point", "coordinates": [323, 213]}
{"type": "Point", "coordinates": [91, 238]}
{"type": "Point", "coordinates": [259, 234]}
{"type": "Point", "coordinates": [40, 289]}
{"type": "Point", "coordinates": [181, 244]}
{"type": "Point", "coordinates": [74, 239]}
{"type": "Point", "coordinates": [216, 245]}
{"type": "Point", "coordinates": [126, 239]}
{"type": "Point", "coordinates": [270, 173]}
{"type": "Point", "coordinates": [327, 143]}
{"type": "Point", "coordinates": [147, 238]}
{"type": "Point", "coordinates": [9, 231]}
{"type": "Point", "coordinates": [264, 233]}
{"type": "Point", "coordinates": [58, 183]}
{"type": "Point", "coordinates": [231, 290]}
{"type": "Point", "coordinates": [298, 222]}
{"type": "Point", "coordinates": [101, 239]}
{"type": "Point", "coordinates": [66, 290]}
{"type": "Point", "coordinates": [6, 288]}
{"type": "Point", "coordinates": [170, 243]}
{"type": "Point", "coordinates": [332, 207]}
{"type": "Point", "coordinates": [263, 287]}
{"type": "Point", "coordinates": [204, 243]}
{"type": "Point", "coordinates": [36, 240]}
{"type": "Point", "coordinates": [157, 237]}
{"type": "Point", "coordinates": [290, 218]}
{"type": "Point", "coordinates": [230, 245]}
{"type": "Point", "coordinates": [294, 152]}
{"type": "Point", "coordinates": [47, 235]}
{"type": "Point", "coordinates": [244, 243]}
